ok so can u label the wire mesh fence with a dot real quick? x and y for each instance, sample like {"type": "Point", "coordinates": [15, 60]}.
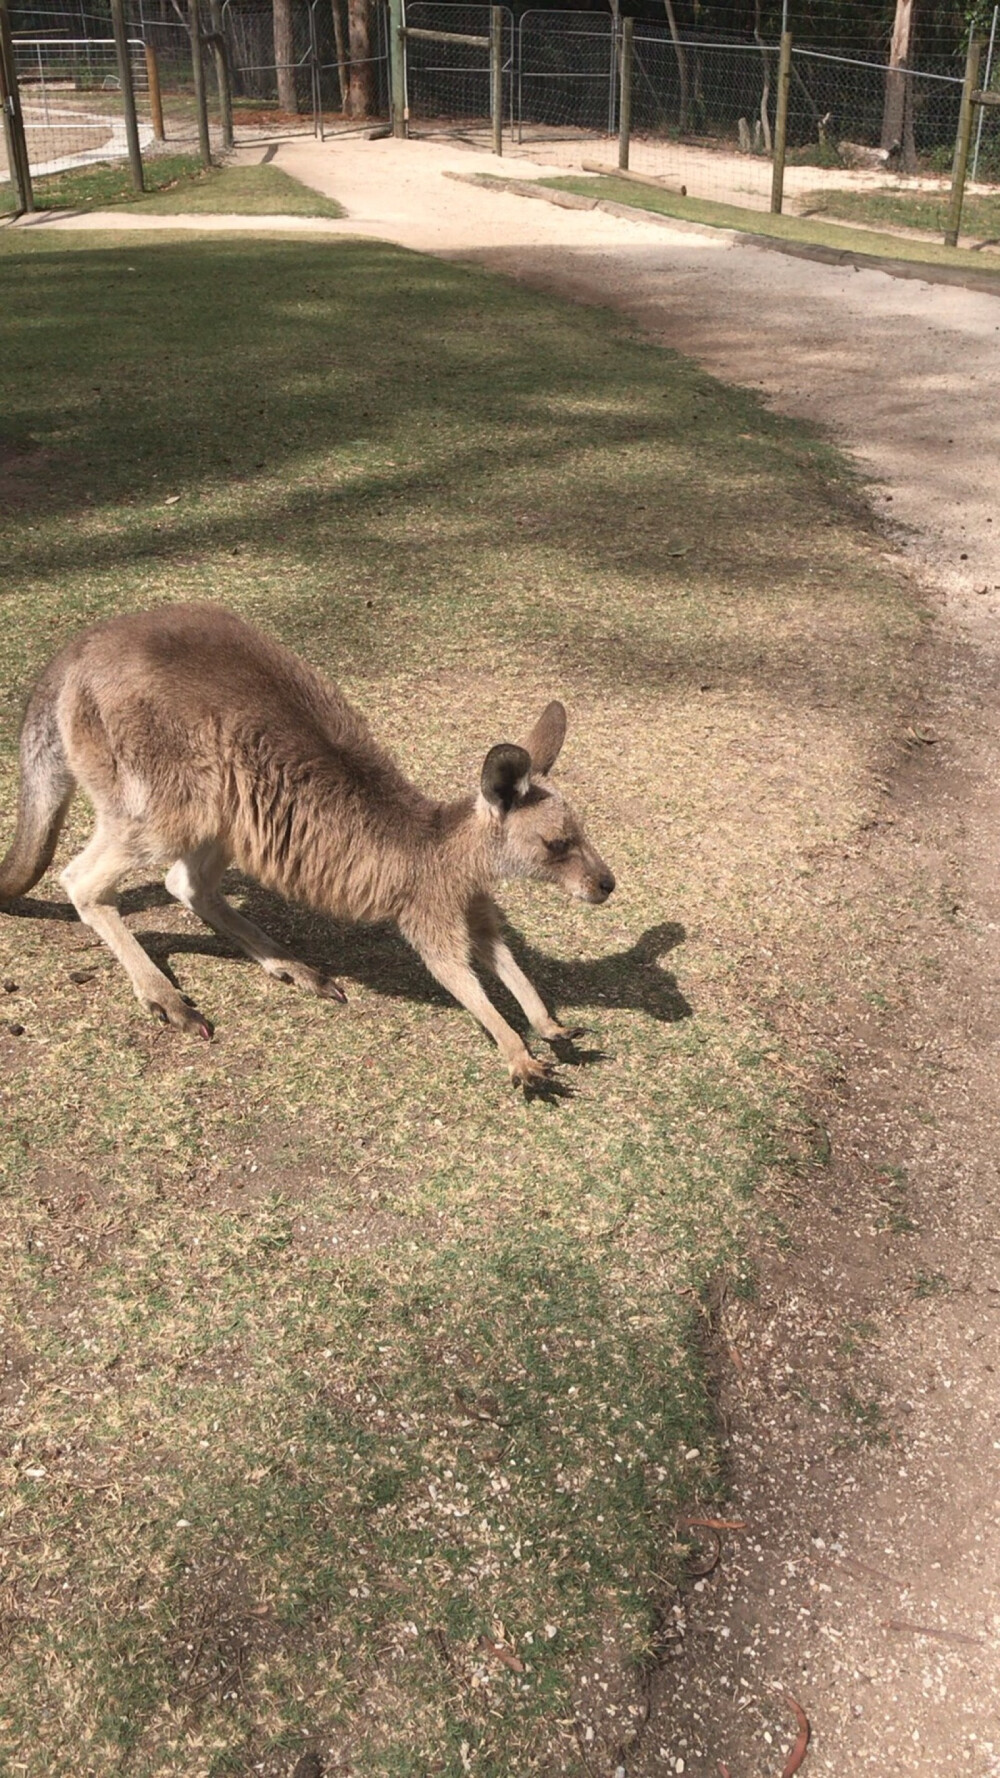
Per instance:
{"type": "Point", "coordinates": [272, 70]}
{"type": "Point", "coordinates": [704, 111]}
{"type": "Point", "coordinates": [354, 86]}
{"type": "Point", "coordinates": [567, 75]}
{"type": "Point", "coordinates": [70, 89]}
{"type": "Point", "coordinates": [703, 106]}
{"type": "Point", "coordinates": [71, 100]}
{"type": "Point", "coordinates": [310, 73]}
{"type": "Point", "coordinates": [448, 83]}
{"type": "Point", "coordinates": [703, 115]}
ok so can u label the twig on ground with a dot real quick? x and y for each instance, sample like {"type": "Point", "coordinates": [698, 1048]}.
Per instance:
{"type": "Point", "coordinates": [798, 1753]}
{"type": "Point", "coordinates": [500, 1652]}
{"type": "Point", "coordinates": [713, 1524]}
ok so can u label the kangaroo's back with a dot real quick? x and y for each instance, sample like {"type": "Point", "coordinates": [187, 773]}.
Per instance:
{"type": "Point", "coordinates": [196, 674]}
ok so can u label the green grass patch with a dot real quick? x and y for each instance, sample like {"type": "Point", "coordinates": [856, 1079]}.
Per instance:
{"type": "Point", "coordinates": [179, 183]}
{"type": "Point", "coordinates": [893, 208]}
{"type": "Point", "coordinates": [759, 222]}
{"type": "Point", "coordinates": [334, 1365]}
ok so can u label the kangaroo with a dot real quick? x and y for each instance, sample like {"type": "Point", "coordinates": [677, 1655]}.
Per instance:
{"type": "Point", "coordinates": [203, 744]}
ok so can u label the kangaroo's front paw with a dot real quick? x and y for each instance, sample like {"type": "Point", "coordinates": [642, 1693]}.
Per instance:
{"type": "Point", "coordinates": [527, 1071]}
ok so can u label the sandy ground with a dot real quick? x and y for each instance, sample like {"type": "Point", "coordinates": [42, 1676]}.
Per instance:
{"type": "Point", "coordinates": [868, 1581]}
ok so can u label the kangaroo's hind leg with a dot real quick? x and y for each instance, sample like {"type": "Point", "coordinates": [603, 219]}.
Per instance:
{"type": "Point", "coordinates": [194, 880]}
{"type": "Point", "coordinates": [91, 880]}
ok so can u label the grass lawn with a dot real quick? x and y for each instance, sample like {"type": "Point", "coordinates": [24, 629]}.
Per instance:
{"type": "Point", "coordinates": [179, 183]}
{"type": "Point", "coordinates": [893, 208]}
{"type": "Point", "coordinates": [761, 222]}
{"type": "Point", "coordinates": [351, 1399]}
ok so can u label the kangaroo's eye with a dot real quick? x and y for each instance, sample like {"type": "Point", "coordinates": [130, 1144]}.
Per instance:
{"type": "Point", "coordinates": [557, 848]}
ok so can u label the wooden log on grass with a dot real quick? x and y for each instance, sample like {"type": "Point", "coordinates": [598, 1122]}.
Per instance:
{"type": "Point", "coordinates": [651, 179]}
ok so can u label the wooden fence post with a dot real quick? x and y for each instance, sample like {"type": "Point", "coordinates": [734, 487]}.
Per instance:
{"type": "Point", "coordinates": [626, 52]}
{"type": "Point", "coordinates": [397, 68]}
{"type": "Point", "coordinates": [781, 123]}
{"type": "Point", "coordinates": [198, 72]}
{"type": "Point", "coordinates": [962, 141]}
{"type": "Point", "coordinates": [127, 91]}
{"type": "Point", "coordinates": [13, 122]}
{"type": "Point", "coordinates": [496, 76]}
{"type": "Point", "coordinates": [155, 96]}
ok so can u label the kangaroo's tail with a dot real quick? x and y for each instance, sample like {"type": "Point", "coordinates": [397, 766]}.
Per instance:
{"type": "Point", "coordinates": [47, 787]}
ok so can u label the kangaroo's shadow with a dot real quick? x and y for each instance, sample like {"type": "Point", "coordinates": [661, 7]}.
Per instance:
{"type": "Point", "coordinates": [381, 959]}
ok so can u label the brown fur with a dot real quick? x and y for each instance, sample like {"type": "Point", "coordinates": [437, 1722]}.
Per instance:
{"type": "Point", "coordinates": [201, 744]}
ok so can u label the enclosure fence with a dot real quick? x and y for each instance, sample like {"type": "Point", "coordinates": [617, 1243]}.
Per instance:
{"type": "Point", "coordinates": [71, 99]}
{"type": "Point", "coordinates": [703, 111]}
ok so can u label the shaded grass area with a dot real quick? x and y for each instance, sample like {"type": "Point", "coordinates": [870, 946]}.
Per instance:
{"type": "Point", "coordinates": [335, 1366]}
{"type": "Point", "coordinates": [759, 222]}
{"type": "Point", "coordinates": [894, 208]}
{"type": "Point", "coordinates": [178, 182]}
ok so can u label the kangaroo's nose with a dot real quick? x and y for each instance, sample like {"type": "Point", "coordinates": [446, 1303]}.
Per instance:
{"type": "Point", "coordinates": [606, 882]}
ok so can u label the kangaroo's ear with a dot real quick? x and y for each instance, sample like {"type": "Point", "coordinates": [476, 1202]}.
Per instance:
{"type": "Point", "coordinates": [546, 738]}
{"type": "Point", "coordinates": [506, 771]}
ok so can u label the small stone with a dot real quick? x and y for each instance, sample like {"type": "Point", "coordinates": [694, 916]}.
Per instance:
{"type": "Point", "coordinates": [10, 987]}
{"type": "Point", "coordinates": [82, 975]}
{"type": "Point", "coordinates": [15, 1029]}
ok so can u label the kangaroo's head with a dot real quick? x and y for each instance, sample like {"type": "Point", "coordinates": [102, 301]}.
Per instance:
{"type": "Point", "coordinates": [539, 834]}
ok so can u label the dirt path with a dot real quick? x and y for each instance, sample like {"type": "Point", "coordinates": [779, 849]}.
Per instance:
{"type": "Point", "coordinates": [888, 1301]}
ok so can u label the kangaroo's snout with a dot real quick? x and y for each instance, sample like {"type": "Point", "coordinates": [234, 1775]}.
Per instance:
{"type": "Point", "coordinates": [598, 886]}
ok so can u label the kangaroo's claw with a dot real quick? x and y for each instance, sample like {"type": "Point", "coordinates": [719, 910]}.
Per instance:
{"type": "Point", "coordinates": [529, 1072]}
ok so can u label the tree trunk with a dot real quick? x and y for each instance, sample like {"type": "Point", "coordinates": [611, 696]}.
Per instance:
{"type": "Point", "coordinates": [359, 94]}
{"type": "Point", "coordinates": [894, 110]}
{"type": "Point", "coordinates": [338, 38]}
{"type": "Point", "coordinates": [682, 67]}
{"type": "Point", "coordinates": [284, 55]}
